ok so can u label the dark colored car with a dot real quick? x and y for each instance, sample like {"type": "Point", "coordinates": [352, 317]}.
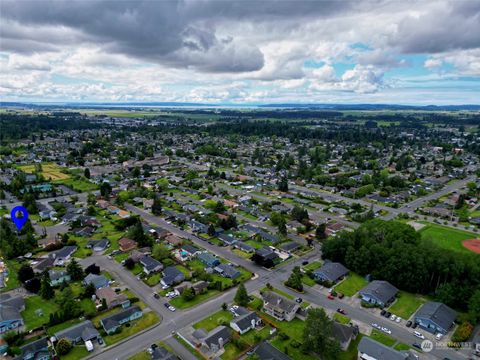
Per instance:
{"type": "Point", "coordinates": [388, 314]}
{"type": "Point", "coordinates": [417, 345]}
{"type": "Point", "coordinates": [383, 312]}
{"type": "Point", "coordinates": [414, 325]}
{"type": "Point", "coordinates": [408, 324]}
{"type": "Point", "coordinates": [299, 300]}
{"type": "Point", "coordinates": [341, 311]}
{"type": "Point", "coordinates": [341, 295]}
{"type": "Point", "coordinates": [156, 296]}
{"type": "Point", "coordinates": [166, 305]}
{"type": "Point", "coordinates": [305, 263]}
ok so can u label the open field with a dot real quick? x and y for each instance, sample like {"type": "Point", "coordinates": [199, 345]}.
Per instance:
{"type": "Point", "coordinates": [406, 304]}
{"type": "Point", "coordinates": [214, 320]}
{"type": "Point", "coordinates": [35, 303]}
{"type": "Point", "coordinates": [49, 171]}
{"type": "Point", "coordinates": [447, 238]}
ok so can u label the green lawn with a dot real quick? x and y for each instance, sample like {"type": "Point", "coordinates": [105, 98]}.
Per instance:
{"type": "Point", "coordinates": [180, 303]}
{"type": "Point", "coordinates": [80, 184]}
{"type": "Point", "coordinates": [214, 320]}
{"type": "Point", "coordinates": [34, 303]}
{"type": "Point", "coordinates": [146, 356]}
{"type": "Point", "coordinates": [402, 346]}
{"type": "Point", "coordinates": [351, 285]}
{"type": "Point", "coordinates": [382, 338]}
{"type": "Point", "coordinates": [12, 283]}
{"type": "Point", "coordinates": [77, 352]}
{"type": "Point", "coordinates": [406, 304]}
{"type": "Point", "coordinates": [313, 265]}
{"type": "Point", "coordinates": [447, 238]}
{"type": "Point", "coordinates": [153, 279]}
{"type": "Point", "coordinates": [342, 319]}
{"type": "Point", "coordinates": [147, 320]}
{"type": "Point", "coordinates": [308, 280]}
{"type": "Point", "coordinates": [279, 292]}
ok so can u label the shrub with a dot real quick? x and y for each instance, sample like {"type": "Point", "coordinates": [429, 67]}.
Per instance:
{"type": "Point", "coordinates": [282, 336]}
{"type": "Point", "coordinates": [463, 332]}
{"type": "Point", "coordinates": [63, 347]}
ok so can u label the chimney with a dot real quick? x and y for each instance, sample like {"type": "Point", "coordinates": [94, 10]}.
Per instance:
{"type": "Point", "coordinates": [220, 342]}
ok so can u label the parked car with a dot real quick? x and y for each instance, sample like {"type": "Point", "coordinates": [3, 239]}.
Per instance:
{"type": "Point", "coordinates": [417, 345]}
{"type": "Point", "coordinates": [439, 336]}
{"type": "Point", "coordinates": [156, 296]}
{"type": "Point", "coordinates": [388, 314]}
{"type": "Point", "coordinates": [299, 300]}
{"type": "Point", "coordinates": [414, 325]}
{"type": "Point", "coordinates": [408, 324]}
{"type": "Point", "coordinates": [418, 335]}
{"type": "Point", "coordinates": [330, 297]}
{"type": "Point", "coordinates": [171, 308]}
{"type": "Point", "coordinates": [393, 317]}
{"type": "Point", "coordinates": [383, 312]}
{"type": "Point", "coordinates": [398, 319]}
{"type": "Point", "coordinates": [100, 341]}
{"type": "Point", "coordinates": [341, 311]}
{"type": "Point", "coordinates": [375, 325]}
{"type": "Point", "coordinates": [341, 295]}
{"type": "Point", "coordinates": [386, 330]}
{"type": "Point", "coordinates": [305, 263]}
{"type": "Point", "coordinates": [166, 305]}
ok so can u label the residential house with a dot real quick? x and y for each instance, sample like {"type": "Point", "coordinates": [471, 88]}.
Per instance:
{"type": "Point", "coordinates": [172, 276]}
{"type": "Point", "coordinates": [150, 265]}
{"type": "Point", "coordinates": [279, 307]}
{"type": "Point", "coordinates": [79, 333]}
{"type": "Point", "coordinates": [378, 292]}
{"type": "Point", "coordinates": [126, 244]}
{"type": "Point", "coordinates": [290, 246]}
{"type": "Point", "coordinates": [344, 334]}
{"type": "Point", "coordinates": [189, 251]}
{"type": "Point", "coordinates": [200, 286]}
{"type": "Point", "coordinates": [331, 272]}
{"type": "Point", "coordinates": [266, 257]}
{"type": "Point", "coordinates": [36, 350]}
{"type": "Point", "coordinates": [61, 256]}
{"type": "Point", "coordinates": [98, 245]}
{"type": "Point", "coordinates": [243, 246]}
{"type": "Point", "coordinates": [266, 351]}
{"type": "Point", "coordinates": [227, 239]}
{"type": "Point", "coordinates": [198, 227]}
{"type": "Point", "coordinates": [99, 281]}
{"type": "Point", "coordinates": [245, 323]}
{"type": "Point", "coordinates": [42, 264]}
{"type": "Point", "coordinates": [227, 271]}
{"type": "Point", "coordinates": [173, 240]}
{"type": "Point", "coordinates": [58, 277]}
{"type": "Point", "coordinates": [112, 298]}
{"type": "Point", "coordinates": [10, 312]}
{"type": "Point", "coordinates": [215, 340]}
{"type": "Point", "coordinates": [369, 349]}
{"type": "Point", "coordinates": [160, 353]}
{"type": "Point", "coordinates": [208, 259]}
{"type": "Point", "coordinates": [435, 317]}
{"type": "Point", "coordinates": [112, 322]}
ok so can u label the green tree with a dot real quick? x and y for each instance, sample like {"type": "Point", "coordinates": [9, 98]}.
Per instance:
{"type": "Point", "coordinates": [160, 252]}
{"type": "Point", "coordinates": [241, 297]}
{"type": "Point", "coordinates": [188, 294]}
{"type": "Point", "coordinates": [86, 173]}
{"type": "Point", "coordinates": [30, 203]}
{"type": "Point", "coordinates": [105, 190]}
{"type": "Point", "coordinates": [283, 184]}
{"type": "Point", "coordinates": [63, 346]}
{"type": "Point", "coordinates": [211, 230]}
{"type": "Point", "coordinates": [46, 289]}
{"type": "Point", "coordinates": [157, 206]}
{"type": "Point", "coordinates": [318, 335]}
{"type": "Point", "coordinates": [75, 270]}
{"type": "Point", "coordinates": [137, 233]}
{"type": "Point", "coordinates": [25, 273]}
{"type": "Point", "coordinates": [320, 233]}
{"type": "Point", "coordinates": [474, 307]}
{"type": "Point", "coordinates": [295, 279]}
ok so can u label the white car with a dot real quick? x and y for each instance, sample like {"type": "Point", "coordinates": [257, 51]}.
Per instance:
{"type": "Point", "coordinates": [398, 319]}
{"type": "Point", "coordinates": [387, 331]}
{"type": "Point", "coordinates": [418, 335]}
{"type": "Point", "coordinates": [375, 325]}
{"type": "Point", "coordinates": [393, 317]}
{"type": "Point", "coordinates": [439, 336]}
{"type": "Point", "coordinates": [171, 308]}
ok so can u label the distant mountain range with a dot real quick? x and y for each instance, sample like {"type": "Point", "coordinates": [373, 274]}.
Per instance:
{"type": "Point", "coordinates": [227, 105]}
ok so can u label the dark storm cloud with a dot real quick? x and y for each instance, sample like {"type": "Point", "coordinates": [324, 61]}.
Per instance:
{"type": "Point", "coordinates": [180, 33]}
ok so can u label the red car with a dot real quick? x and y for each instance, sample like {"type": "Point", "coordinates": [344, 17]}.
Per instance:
{"type": "Point", "coordinates": [330, 296]}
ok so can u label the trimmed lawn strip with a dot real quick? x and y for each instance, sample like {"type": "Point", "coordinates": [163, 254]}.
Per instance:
{"type": "Point", "coordinates": [406, 304]}
{"type": "Point", "coordinates": [180, 303]}
{"type": "Point", "coordinates": [313, 265]}
{"type": "Point", "coordinates": [279, 292]}
{"type": "Point", "coordinates": [340, 318]}
{"type": "Point", "coordinates": [147, 320]}
{"type": "Point", "coordinates": [214, 320]}
{"type": "Point", "coordinates": [77, 352]}
{"type": "Point", "coordinates": [34, 303]}
{"type": "Point", "coordinates": [382, 338]}
{"type": "Point", "coordinates": [351, 285]}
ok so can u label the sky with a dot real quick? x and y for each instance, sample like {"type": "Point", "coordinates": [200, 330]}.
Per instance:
{"type": "Point", "coordinates": [241, 52]}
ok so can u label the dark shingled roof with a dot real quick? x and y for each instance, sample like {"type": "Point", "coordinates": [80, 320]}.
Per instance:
{"type": "Point", "coordinates": [379, 351]}
{"type": "Point", "coordinates": [382, 290]}
{"type": "Point", "coordinates": [438, 313]}
{"type": "Point", "coordinates": [265, 351]}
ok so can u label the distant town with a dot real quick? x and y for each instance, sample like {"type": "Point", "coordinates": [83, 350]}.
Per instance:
{"type": "Point", "coordinates": [239, 233]}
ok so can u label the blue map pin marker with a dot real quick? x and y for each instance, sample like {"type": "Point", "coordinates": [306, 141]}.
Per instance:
{"type": "Point", "coordinates": [19, 221]}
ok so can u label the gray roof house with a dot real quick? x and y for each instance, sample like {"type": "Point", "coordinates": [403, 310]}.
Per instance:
{"type": "Point", "coordinates": [344, 334]}
{"type": "Point", "coordinates": [265, 351]}
{"type": "Point", "coordinates": [278, 306]}
{"type": "Point", "coordinates": [379, 292]}
{"type": "Point", "coordinates": [62, 255]}
{"type": "Point", "coordinates": [369, 349]}
{"type": "Point", "coordinates": [331, 272]}
{"type": "Point", "coordinates": [172, 276]}
{"type": "Point", "coordinates": [150, 265]}
{"type": "Point", "coordinates": [246, 322]}
{"type": "Point", "coordinates": [111, 323]}
{"type": "Point", "coordinates": [217, 338]}
{"type": "Point", "coordinates": [160, 353]}
{"type": "Point", "coordinates": [227, 271]}
{"type": "Point", "coordinates": [79, 333]}
{"type": "Point", "coordinates": [99, 281]}
{"type": "Point", "coordinates": [57, 277]}
{"type": "Point", "coordinates": [244, 246]}
{"type": "Point", "coordinates": [208, 259]}
{"type": "Point", "coordinates": [98, 245]}
{"type": "Point", "coordinates": [435, 317]}
{"type": "Point", "coordinates": [10, 309]}
{"type": "Point", "coordinates": [36, 350]}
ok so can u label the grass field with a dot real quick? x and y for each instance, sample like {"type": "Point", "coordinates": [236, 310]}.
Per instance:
{"type": "Point", "coordinates": [12, 282]}
{"type": "Point", "coordinates": [49, 171]}
{"type": "Point", "coordinates": [214, 320]}
{"type": "Point", "coordinates": [342, 319]}
{"type": "Point", "coordinates": [447, 238]}
{"type": "Point", "coordinates": [351, 285]}
{"type": "Point", "coordinates": [147, 320]}
{"type": "Point", "coordinates": [77, 352]}
{"type": "Point", "coordinates": [79, 184]}
{"type": "Point", "coordinates": [314, 265]}
{"type": "Point", "coordinates": [406, 304]}
{"type": "Point", "coordinates": [382, 338]}
{"type": "Point", "coordinates": [34, 303]}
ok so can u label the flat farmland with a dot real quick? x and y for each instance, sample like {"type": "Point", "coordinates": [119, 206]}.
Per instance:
{"type": "Point", "coordinates": [49, 171]}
